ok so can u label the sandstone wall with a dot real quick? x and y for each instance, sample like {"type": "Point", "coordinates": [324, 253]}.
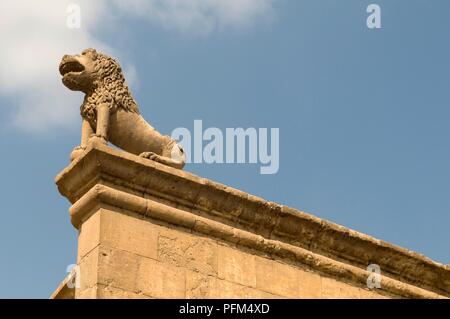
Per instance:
{"type": "Point", "coordinates": [127, 257]}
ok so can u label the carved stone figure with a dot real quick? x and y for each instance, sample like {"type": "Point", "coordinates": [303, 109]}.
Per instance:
{"type": "Point", "coordinates": [109, 112]}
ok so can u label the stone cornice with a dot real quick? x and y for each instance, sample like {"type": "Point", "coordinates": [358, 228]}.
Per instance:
{"type": "Point", "coordinates": [63, 291]}
{"type": "Point", "coordinates": [111, 177]}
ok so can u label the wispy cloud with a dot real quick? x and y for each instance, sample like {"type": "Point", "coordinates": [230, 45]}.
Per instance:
{"type": "Point", "coordinates": [35, 36]}
{"type": "Point", "coordinates": [199, 17]}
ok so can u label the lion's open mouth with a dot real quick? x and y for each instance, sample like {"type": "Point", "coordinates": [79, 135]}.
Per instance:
{"type": "Point", "coordinates": [70, 66]}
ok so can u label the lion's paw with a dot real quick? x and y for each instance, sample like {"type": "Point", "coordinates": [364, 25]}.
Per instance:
{"type": "Point", "coordinates": [150, 155]}
{"type": "Point", "coordinates": [97, 139]}
{"type": "Point", "coordinates": [76, 152]}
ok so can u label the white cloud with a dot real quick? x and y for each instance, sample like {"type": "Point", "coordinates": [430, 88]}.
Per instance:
{"type": "Point", "coordinates": [198, 17]}
{"type": "Point", "coordinates": [35, 37]}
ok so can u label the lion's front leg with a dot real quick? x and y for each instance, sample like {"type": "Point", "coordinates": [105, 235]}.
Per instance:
{"type": "Point", "coordinates": [86, 131]}
{"type": "Point", "coordinates": [101, 133]}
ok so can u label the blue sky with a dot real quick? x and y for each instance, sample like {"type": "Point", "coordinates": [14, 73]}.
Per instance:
{"type": "Point", "coordinates": [363, 114]}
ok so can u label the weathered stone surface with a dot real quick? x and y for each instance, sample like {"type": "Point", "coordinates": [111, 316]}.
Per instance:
{"type": "Point", "coordinates": [88, 293]}
{"type": "Point", "coordinates": [366, 293]}
{"type": "Point", "coordinates": [309, 285]}
{"type": "Point", "coordinates": [128, 233]}
{"type": "Point", "coordinates": [226, 289]}
{"type": "Point", "coordinates": [200, 286]}
{"type": "Point", "coordinates": [159, 280]}
{"type": "Point", "coordinates": [88, 269]}
{"type": "Point", "coordinates": [100, 291]}
{"type": "Point", "coordinates": [332, 288]}
{"type": "Point", "coordinates": [277, 278]}
{"type": "Point", "coordinates": [118, 230]}
{"type": "Point", "coordinates": [118, 268]}
{"type": "Point", "coordinates": [89, 235]}
{"type": "Point", "coordinates": [151, 230]}
{"type": "Point", "coordinates": [237, 266]}
{"type": "Point", "coordinates": [188, 251]}
{"type": "Point", "coordinates": [108, 292]}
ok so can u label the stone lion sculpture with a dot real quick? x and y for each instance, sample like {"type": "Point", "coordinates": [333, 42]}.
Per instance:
{"type": "Point", "coordinates": [109, 112]}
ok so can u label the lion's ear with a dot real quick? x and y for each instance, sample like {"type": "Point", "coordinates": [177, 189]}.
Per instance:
{"type": "Point", "coordinates": [91, 52]}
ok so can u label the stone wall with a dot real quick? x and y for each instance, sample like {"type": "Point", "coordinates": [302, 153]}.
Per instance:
{"type": "Point", "coordinates": [150, 231]}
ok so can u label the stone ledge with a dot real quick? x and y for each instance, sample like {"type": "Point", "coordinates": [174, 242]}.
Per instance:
{"type": "Point", "coordinates": [104, 176]}
{"type": "Point", "coordinates": [63, 291]}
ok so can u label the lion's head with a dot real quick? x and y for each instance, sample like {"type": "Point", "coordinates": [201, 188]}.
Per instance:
{"type": "Point", "coordinates": [100, 77]}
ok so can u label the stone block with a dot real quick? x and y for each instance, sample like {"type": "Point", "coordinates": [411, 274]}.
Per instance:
{"type": "Point", "coordinates": [107, 292]}
{"type": "Point", "coordinates": [192, 252]}
{"type": "Point", "coordinates": [236, 266]}
{"type": "Point", "coordinates": [128, 233]}
{"type": "Point", "coordinates": [88, 270]}
{"type": "Point", "coordinates": [200, 286]}
{"type": "Point", "coordinates": [159, 280]}
{"type": "Point", "coordinates": [118, 268]}
{"type": "Point", "coordinates": [89, 235]}
{"type": "Point", "coordinates": [367, 293]}
{"type": "Point", "coordinates": [118, 230]}
{"type": "Point", "coordinates": [310, 284]}
{"type": "Point", "coordinates": [277, 278]}
{"type": "Point", "coordinates": [89, 293]}
{"type": "Point", "coordinates": [334, 289]}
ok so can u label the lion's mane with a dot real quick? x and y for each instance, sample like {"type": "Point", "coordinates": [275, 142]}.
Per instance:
{"type": "Point", "coordinates": [109, 87]}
